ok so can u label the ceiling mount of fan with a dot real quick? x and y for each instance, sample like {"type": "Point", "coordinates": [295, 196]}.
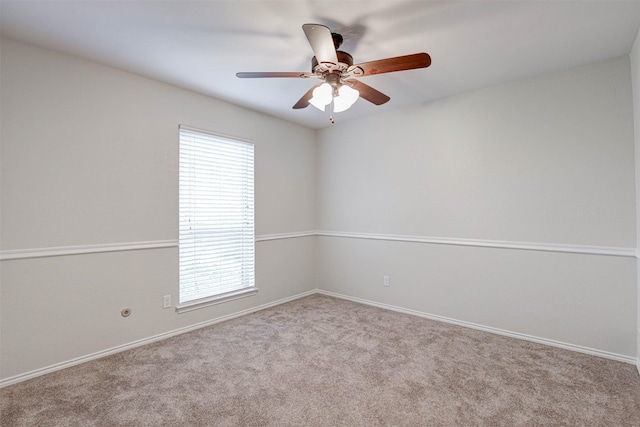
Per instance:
{"type": "Point", "coordinates": [336, 69]}
{"type": "Point", "coordinates": [337, 40]}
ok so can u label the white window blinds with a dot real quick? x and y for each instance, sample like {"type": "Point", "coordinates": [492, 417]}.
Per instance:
{"type": "Point", "coordinates": [216, 215]}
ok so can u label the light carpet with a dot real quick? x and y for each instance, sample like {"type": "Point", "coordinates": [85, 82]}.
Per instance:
{"type": "Point", "coordinates": [322, 361]}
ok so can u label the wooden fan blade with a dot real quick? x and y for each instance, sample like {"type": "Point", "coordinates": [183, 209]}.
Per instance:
{"type": "Point", "coordinates": [304, 101]}
{"type": "Point", "coordinates": [398, 63]}
{"type": "Point", "coordinates": [257, 75]}
{"type": "Point", "coordinates": [321, 42]}
{"type": "Point", "coordinates": [367, 92]}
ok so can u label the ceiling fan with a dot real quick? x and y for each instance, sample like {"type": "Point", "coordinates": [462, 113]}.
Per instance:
{"type": "Point", "coordinates": [340, 89]}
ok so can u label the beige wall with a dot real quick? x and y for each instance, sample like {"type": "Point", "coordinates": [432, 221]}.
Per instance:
{"type": "Point", "coordinates": [89, 157]}
{"type": "Point", "coordinates": [546, 161]}
{"type": "Point", "coordinates": [635, 79]}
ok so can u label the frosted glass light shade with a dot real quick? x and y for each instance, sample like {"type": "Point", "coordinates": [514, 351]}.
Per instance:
{"type": "Point", "coordinates": [322, 96]}
{"type": "Point", "coordinates": [347, 97]}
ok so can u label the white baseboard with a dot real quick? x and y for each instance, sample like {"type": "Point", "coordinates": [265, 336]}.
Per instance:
{"type": "Point", "coordinates": [69, 363]}
{"type": "Point", "coordinates": [552, 343]}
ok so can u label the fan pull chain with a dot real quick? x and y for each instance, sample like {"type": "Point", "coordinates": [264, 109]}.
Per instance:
{"type": "Point", "coordinates": [331, 113]}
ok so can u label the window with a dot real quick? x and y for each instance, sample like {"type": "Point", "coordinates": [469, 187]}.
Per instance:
{"type": "Point", "coordinates": [216, 227]}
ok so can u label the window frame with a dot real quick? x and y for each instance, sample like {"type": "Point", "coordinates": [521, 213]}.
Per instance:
{"type": "Point", "coordinates": [247, 190]}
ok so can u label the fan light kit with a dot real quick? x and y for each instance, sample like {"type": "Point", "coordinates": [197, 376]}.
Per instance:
{"type": "Point", "coordinates": [340, 89]}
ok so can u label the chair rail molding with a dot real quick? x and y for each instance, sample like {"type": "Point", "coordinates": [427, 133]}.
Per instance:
{"type": "Point", "coordinates": [15, 254]}
{"type": "Point", "coordinates": [547, 247]}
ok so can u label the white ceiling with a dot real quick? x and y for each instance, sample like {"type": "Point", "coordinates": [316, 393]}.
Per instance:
{"type": "Point", "coordinates": [200, 45]}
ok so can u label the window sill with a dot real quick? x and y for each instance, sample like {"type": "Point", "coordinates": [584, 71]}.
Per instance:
{"type": "Point", "coordinates": [217, 299]}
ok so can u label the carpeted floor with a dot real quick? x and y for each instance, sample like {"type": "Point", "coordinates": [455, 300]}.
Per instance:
{"type": "Point", "coordinates": [321, 361]}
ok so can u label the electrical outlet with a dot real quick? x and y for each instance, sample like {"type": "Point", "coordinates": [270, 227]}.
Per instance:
{"type": "Point", "coordinates": [166, 301]}
{"type": "Point", "coordinates": [385, 281]}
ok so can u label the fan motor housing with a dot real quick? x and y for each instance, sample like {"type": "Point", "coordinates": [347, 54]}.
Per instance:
{"type": "Point", "coordinates": [345, 61]}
